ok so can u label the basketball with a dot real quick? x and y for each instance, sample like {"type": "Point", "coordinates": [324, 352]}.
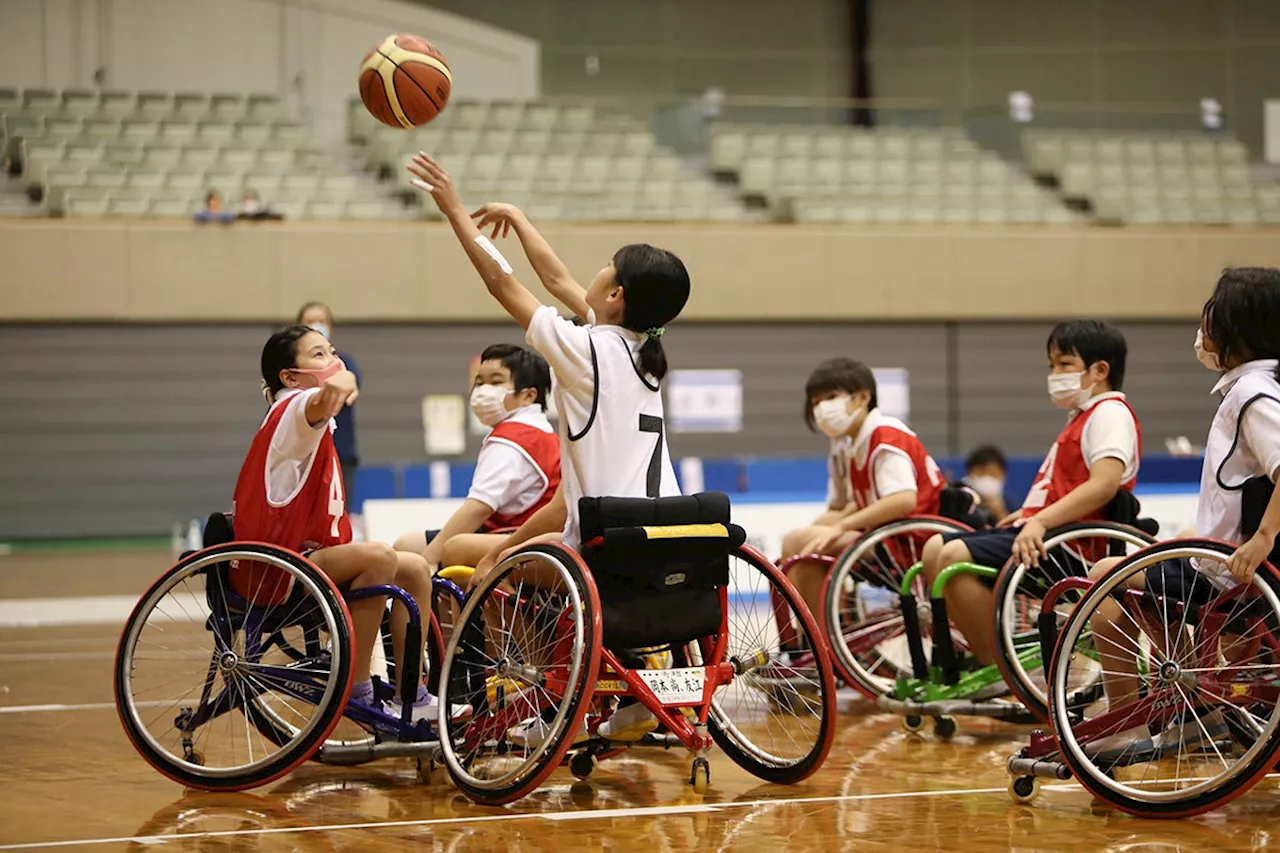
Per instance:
{"type": "Point", "coordinates": [405, 81]}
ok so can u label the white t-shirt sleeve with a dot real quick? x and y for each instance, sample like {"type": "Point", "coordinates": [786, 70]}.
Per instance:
{"type": "Point", "coordinates": [505, 480]}
{"type": "Point", "coordinates": [293, 446]}
{"type": "Point", "coordinates": [294, 438]}
{"type": "Point", "coordinates": [1111, 434]}
{"type": "Point", "coordinates": [1260, 432]}
{"type": "Point", "coordinates": [893, 473]}
{"type": "Point", "coordinates": [565, 346]}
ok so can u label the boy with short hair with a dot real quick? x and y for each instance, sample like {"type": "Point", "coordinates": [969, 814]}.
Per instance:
{"type": "Point", "coordinates": [1095, 456]}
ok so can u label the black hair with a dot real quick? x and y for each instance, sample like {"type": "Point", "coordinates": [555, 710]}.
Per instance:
{"type": "Point", "coordinates": [1242, 317]}
{"type": "Point", "coordinates": [314, 303]}
{"type": "Point", "coordinates": [655, 288]}
{"type": "Point", "coordinates": [1093, 341]}
{"type": "Point", "coordinates": [987, 454]}
{"type": "Point", "coordinates": [281, 353]}
{"type": "Point", "coordinates": [839, 374]}
{"type": "Point", "coordinates": [528, 369]}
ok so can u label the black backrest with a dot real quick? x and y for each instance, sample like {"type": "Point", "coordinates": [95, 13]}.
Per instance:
{"type": "Point", "coordinates": [961, 503]}
{"type": "Point", "coordinates": [667, 544]}
{"type": "Point", "coordinates": [219, 530]}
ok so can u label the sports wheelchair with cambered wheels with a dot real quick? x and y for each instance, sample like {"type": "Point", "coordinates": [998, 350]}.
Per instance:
{"type": "Point", "coordinates": [663, 606]}
{"type": "Point", "coordinates": [951, 682]}
{"type": "Point", "coordinates": [1201, 661]}
{"type": "Point", "coordinates": [235, 667]}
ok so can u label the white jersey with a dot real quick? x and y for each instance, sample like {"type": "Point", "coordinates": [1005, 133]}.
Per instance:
{"type": "Point", "coordinates": [613, 436]}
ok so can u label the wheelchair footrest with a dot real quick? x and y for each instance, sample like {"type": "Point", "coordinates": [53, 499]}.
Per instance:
{"type": "Point", "coordinates": [1010, 711]}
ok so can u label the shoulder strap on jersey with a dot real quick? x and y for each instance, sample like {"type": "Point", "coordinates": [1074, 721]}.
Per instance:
{"type": "Point", "coordinates": [652, 386]}
{"type": "Point", "coordinates": [595, 396]}
{"type": "Point", "coordinates": [1235, 442]}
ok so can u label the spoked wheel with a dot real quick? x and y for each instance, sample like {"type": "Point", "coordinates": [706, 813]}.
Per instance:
{"type": "Point", "coordinates": [1193, 683]}
{"type": "Point", "coordinates": [1072, 551]}
{"type": "Point", "coordinates": [276, 724]}
{"type": "Point", "coordinates": [776, 721]}
{"type": "Point", "coordinates": [525, 655]}
{"type": "Point", "coordinates": [863, 610]}
{"type": "Point", "coordinates": [196, 660]}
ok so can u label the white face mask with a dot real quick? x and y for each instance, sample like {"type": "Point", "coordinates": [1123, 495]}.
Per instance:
{"type": "Point", "coordinates": [833, 416]}
{"type": "Point", "coordinates": [986, 486]}
{"type": "Point", "coordinates": [1209, 359]}
{"type": "Point", "coordinates": [487, 401]}
{"type": "Point", "coordinates": [1065, 390]}
{"type": "Point", "coordinates": [591, 316]}
{"type": "Point", "coordinates": [322, 329]}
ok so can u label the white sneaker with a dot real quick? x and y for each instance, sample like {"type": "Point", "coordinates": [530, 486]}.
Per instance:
{"type": "Point", "coordinates": [427, 708]}
{"type": "Point", "coordinates": [628, 723]}
{"type": "Point", "coordinates": [531, 734]}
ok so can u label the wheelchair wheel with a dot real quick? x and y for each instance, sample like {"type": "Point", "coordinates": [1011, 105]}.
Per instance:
{"type": "Point", "coordinates": [776, 721]}
{"type": "Point", "coordinates": [525, 655]}
{"type": "Point", "coordinates": [1202, 685]}
{"type": "Point", "coordinates": [1019, 590]}
{"type": "Point", "coordinates": [863, 611]}
{"type": "Point", "coordinates": [195, 660]}
{"type": "Point", "coordinates": [279, 728]}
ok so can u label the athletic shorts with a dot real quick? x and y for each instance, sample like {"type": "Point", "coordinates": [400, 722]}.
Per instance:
{"type": "Point", "coordinates": [991, 548]}
{"type": "Point", "coordinates": [432, 534]}
{"type": "Point", "coordinates": [1178, 580]}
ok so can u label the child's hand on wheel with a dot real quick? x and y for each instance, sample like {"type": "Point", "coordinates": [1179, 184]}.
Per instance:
{"type": "Point", "coordinates": [1245, 561]}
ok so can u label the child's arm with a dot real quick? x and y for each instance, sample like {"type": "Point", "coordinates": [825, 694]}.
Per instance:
{"type": "Point", "coordinates": [550, 518]}
{"type": "Point", "coordinates": [1245, 561]}
{"type": "Point", "coordinates": [338, 390]}
{"type": "Point", "coordinates": [1104, 481]}
{"type": "Point", "coordinates": [514, 297]}
{"type": "Point", "coordinates": [465, 519]}
{"type": "Point", "coordinates": [551, 271]}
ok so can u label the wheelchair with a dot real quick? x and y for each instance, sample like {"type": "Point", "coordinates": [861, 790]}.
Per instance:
{"type": "Point", "coordinates": [664, 605]}
{"type": "Point", "coordinates": [235, 668]}
{"type": "Point", "coordinates": [862, 614]}
{"type": "Point", "coordinates": [1207, 664]}
{"type": "Point", "coordinates": [950, 682]}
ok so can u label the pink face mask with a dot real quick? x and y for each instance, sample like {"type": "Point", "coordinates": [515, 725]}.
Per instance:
{"type": "Point", "coordinates": [320, 375]}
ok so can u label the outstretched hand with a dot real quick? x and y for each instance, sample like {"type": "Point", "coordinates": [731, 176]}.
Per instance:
{"type": "Point", "coordinates": [431, 177]}
{"type": "Point", "coordinates": [499, 215]}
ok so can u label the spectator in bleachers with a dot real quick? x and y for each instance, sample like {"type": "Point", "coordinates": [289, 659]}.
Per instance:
{"type": "Point", "coordinates": [253, 210]}
{"type": "Point", "coordinates": [985, 472]}
{"type": "Point", "coordinates": [318, 316]}
{"type": "Point", "coordinates": [214, 210]}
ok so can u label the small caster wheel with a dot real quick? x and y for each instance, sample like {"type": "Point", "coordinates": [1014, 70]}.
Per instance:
{"type": "Point", "coordinates": [427, 768]}
{"type": "Point", "coordinates": [700, 775]}
{"type": "Point", "coordinates": [1024, 789]}
{"type": "Point", "coordinates": [196, 757]}
{"type": "Point", "coordinates": [912, 723]}
{"type": "Point", "coordinates": [944, 728]}
{"type": "Point", "coordinates": [582, 764]}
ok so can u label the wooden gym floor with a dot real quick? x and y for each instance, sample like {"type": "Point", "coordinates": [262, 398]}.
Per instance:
{"type": "Point", "coordinates": [70, 780]}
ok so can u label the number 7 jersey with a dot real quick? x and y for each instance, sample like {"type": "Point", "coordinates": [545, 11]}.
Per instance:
{"type": "Point", "coordinates": [315, 515]}
{"type": "Point", "coordinates": [621, 449]}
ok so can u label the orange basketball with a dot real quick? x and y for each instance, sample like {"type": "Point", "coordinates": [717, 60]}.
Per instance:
{"type": "Point", "coordinates": [405, 81]}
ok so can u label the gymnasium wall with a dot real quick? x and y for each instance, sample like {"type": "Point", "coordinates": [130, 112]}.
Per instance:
{"type": "Point", "coordinates": [180, 271]}
{"type": "Point", "coordinates": [1096, 54]}
{"type": "Point", "coordinates": [662, 48]}
{"type": "Point", "coordinates": [123, 429]}
{"type": "Point", "coordinates": [306, 52]}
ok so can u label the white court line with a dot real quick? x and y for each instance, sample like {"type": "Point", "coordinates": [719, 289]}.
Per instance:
{"type": "Point", "coordinates": [444, 821]}
{"type": "Point", "coordinates": [93, 706]}
{"type": "Point", "coordinates": [73, 610]}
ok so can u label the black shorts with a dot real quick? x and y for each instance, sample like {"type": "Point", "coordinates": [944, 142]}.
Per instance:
{"type": "Point", "coordinates": [1178, 580]}
{"type": "Point", "coordinates": [432, 534]}
{"type": "Point", "coordinates": [991, 548]}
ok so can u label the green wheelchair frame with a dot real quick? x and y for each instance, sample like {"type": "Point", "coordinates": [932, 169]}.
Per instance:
{"type": "Point", "coordinates": [946, 685]}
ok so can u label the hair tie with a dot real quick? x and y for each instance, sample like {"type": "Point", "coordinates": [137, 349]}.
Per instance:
{"type": "Point", "coordinates": [654, 333]}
